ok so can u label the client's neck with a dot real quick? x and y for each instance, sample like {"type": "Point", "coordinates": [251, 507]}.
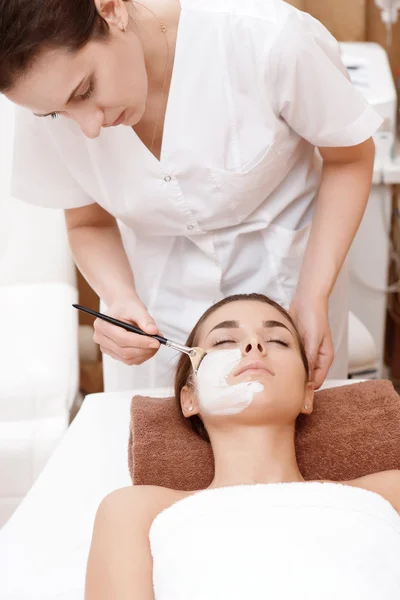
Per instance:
{"type": "Point", "coordinates": [247, 455]}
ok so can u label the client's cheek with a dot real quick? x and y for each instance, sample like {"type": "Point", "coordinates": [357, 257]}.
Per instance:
{"type": "Point", "coordinates": [297, 380]}
{"type": "Point", "coordinates": [217, 393]}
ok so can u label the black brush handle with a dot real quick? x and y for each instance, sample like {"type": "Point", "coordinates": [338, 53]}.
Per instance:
{"type": "Point", "coordinates": [119, 323]}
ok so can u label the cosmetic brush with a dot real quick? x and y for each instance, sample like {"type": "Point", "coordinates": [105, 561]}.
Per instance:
{"type": "Point", "coordinates": [195, 354]}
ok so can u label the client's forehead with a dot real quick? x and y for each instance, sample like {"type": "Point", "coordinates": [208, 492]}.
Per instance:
{"type": "Point", "coordinates": [248, 313]}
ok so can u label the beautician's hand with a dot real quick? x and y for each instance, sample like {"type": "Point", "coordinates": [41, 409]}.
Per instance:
{"type": "Point", "coordinates": [311, 318]}
{"type": "Point", "coordinates": [129, 348]}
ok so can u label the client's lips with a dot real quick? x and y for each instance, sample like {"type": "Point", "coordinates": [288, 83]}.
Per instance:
{"type": "Point", "coordinates": [255, 365]}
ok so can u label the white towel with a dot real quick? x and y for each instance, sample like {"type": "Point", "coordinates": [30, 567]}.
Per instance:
{"type": "Point", "coordinates": [321, 541]}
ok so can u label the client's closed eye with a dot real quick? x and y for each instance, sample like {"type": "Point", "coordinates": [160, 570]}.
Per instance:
{"type": "Point", "coordinates": [268, 341]}
{"type": "Point", "coordinates": [220, 342]}
{"type": "Point", "coordinates": [278, 341]}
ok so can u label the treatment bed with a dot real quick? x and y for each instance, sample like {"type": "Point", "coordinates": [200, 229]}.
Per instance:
{"type": "Point", "coordinates": [45, 544]}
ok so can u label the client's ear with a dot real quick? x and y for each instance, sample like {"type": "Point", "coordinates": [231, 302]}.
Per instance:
{"type": "Point", "coordinates": [308, 403]}
{"type": "Point", "coordinates": [189, 401]}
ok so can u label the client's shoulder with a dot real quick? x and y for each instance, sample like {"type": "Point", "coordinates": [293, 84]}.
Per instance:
{"type": "Point", "coordinates": [138, 503]}
{"type": "Point", "coordinates": [385, 483]}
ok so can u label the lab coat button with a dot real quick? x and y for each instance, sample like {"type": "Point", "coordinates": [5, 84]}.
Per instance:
{"type": "Point", "coordinates": [190, 227]}
{"type": "Point", "coordinates": [167, 178]}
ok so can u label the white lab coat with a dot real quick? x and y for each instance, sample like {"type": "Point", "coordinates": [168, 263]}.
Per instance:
{"type": "Point", "coordinates": [256, 86]}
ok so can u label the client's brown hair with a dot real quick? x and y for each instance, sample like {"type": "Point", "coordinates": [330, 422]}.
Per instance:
{"type": "Point", "coordinates": [184, 368]}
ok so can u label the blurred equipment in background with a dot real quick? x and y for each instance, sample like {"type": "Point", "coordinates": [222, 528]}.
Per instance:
{"type": "Point", "coordinates": [389, 15]}
{"type": "Point", "coordinates": [372, 249]}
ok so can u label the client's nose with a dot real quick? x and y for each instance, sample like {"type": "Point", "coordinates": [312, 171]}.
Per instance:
{"type": "Point", "coordinates": [255, 346]}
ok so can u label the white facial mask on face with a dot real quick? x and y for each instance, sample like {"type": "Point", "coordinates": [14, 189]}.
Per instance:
{"type": "Point", "coordinates": [215, 395]}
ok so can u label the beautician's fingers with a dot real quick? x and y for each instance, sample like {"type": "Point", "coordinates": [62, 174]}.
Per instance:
{"type": "Point", "coordinates": [311, 318]}
{"type": "Point", "coordinates": [126, 361]}
{"type": "Point", "coordinates": [121, 337]}
{"type": "Point", "coordinates": [320, 352]}
{"type": "Point", "coordinates": [132, 354]}
{"type": "Point", "coordinates": [323, 361]}
{"type": "Point", "coordinates": [138, 313]}
{"type": "Point", "coordinates": [130, 348]}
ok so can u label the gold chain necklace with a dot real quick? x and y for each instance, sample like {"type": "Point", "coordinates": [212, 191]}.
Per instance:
{"type": "Point", "coordinates": [163, 30]}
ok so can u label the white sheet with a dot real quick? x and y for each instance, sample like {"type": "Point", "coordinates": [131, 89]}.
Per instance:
{"type": "Point", "coordinates": [303, 541]}
{"type": "Point", "coordinates": [44, 546]}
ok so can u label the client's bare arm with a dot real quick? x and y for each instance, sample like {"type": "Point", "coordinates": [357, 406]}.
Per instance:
{"type": "Point", "coordinates": [120, 563]}
{"type": "Point", "coordinates": [386, 483]}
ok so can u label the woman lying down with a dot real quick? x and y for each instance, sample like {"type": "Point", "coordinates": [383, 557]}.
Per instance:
{"type": "Point", "coordinates": [259, 531]}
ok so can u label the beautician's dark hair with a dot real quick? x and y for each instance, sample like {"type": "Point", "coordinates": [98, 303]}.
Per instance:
{"type": "Point", "coordinates": [28, 27]}
{"type": "Point", "coordinates": [184, 370]}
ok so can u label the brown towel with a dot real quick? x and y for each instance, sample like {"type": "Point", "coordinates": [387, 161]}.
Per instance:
{"type": "Point", "coordinates": [353, 431]}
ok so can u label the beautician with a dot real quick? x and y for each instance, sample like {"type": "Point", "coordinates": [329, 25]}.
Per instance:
{"type": "Point", "coordinates": [199, 149]}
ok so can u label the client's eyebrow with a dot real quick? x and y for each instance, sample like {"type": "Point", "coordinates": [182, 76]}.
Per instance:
{"type": "Point", "coordinates": [225, 325]}
{"type": "Point", "coordinates": [235, 325]}
{"type": "Point", "coordinates": [272, 324]}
